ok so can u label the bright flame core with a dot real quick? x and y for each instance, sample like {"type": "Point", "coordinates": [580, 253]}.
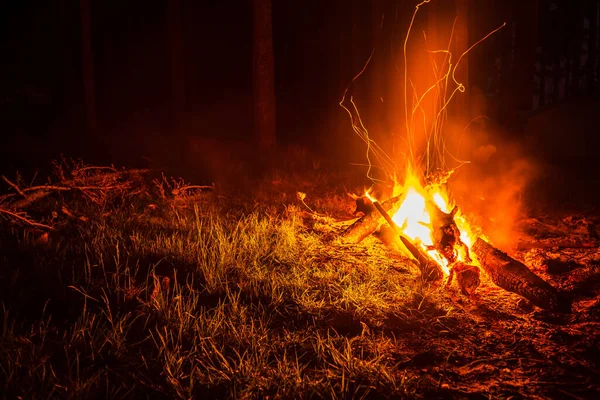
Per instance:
{"type": "Point", "coordinates": [415, 221]}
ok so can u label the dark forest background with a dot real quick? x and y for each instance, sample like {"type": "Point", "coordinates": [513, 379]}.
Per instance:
{"type": "Point", "coordinates": [544, 56]}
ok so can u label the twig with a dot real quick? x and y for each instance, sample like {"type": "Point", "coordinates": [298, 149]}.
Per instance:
{"type": "Point", "coordinates": [83, 169]}
{"type": "Point", "coordinates": [67, 188]}
{"type": "Point", "coordinates": [177, 191]}
{"type": "Point", "coordinates": [23, 218]}
{"type": "Point", "coordinates": [46, 187]}
{"type": "Point", "coordinates": [14, 186]}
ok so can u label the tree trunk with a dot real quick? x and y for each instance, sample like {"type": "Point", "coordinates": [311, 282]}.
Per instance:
{"type": "Point", "coordinates": [177, 67]}
{"type": "Point", "coordinates": [264, 77]}
{"type": "Point", "coordinates": [527, 20]}
{"type": "Point", "coordinates": [88, 65]}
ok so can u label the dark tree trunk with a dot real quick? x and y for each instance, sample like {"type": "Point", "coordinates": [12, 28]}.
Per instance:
{"type": "Point", "coordinates": [176, 55]}
{"type": "Point", "coordinates": [461, 44]}
{"type": "Point", "coordinates": [88, 65]}
{"type": "Point", "coordinates": [527, 19]}
{"type": "Point", "coordinates": [264, 77]}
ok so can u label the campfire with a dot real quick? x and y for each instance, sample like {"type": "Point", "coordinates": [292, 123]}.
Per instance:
{"type": "Point", "coordinates": [424, 219]}
{"type": "Point", "coordinates": [445, 246]}
{"type": "Point", "coordinates": [426, 224]}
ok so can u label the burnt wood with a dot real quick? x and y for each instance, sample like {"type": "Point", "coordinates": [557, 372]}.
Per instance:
{"type": "Point", "coordinates": [446, 235]}
{"type": "Point", "coordinates": [368, 223]}
{"type": "Point", "coordinates": [467, 277]}
{"type": "Point", "coordinates": [515, 277]}
{"type": "Point", "coordinates": [430, 270]}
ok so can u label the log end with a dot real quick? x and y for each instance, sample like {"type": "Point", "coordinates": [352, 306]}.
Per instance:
{"type": "Point", "coordinates": [468, 278]}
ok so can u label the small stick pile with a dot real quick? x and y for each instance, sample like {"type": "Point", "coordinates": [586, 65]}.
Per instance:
{"type": "Point", "coordinates": [95, 184]}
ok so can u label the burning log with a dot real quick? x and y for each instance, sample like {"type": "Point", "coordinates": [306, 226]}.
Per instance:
{"type": "Point", "coordinates": [430, 270]}
{"type": "Point", "coordinates": [515, 277]}
{"type": "Point", "coordinates": [446, 235]}
{"type": "Point", "coordinates": [369, 222]}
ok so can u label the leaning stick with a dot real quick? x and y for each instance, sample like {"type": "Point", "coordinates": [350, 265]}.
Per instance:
{"type": "Point", "coordinates": [430, 270]}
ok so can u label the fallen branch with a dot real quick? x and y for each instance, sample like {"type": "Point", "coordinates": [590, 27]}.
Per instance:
{"type": "Point", "coordinates": [96, 168]}
{"type": "Point", "coordinates": [515, 277]}
{"type": "Point", "coordinates": [91, 186]}
{"type": "Point", "coordinates": [24, 219]}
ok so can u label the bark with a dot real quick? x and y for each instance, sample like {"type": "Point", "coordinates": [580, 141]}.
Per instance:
{"type": "Point", "coordinates": [367, 224]}
{"type": "Point", "coordinates": [515, 277]}
{"type": "Point", "coordinates": [264, 77]}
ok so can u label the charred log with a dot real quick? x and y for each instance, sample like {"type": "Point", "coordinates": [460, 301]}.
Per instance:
{"type": "Point", "coordinates": [367, 224]}
{"type": "Point", "coordinates": [515, 277]}
{"type": "Point", "coordinates": [467, 277]}
{"type": "Point", "coordinates": [363, 206]}
{"type": "Point", "coordinates": [445, 233]}
{"type": "Point", "coordinates": [430, 270]}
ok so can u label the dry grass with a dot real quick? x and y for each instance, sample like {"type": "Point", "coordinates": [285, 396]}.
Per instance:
{"type": "Point", "coordinates": [215, 295]}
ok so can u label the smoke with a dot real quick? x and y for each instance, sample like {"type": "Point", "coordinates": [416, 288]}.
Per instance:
{"type": "Point", "coordinates": [491, 188]}
{"type": "Point", "coordinates": [453, 130]}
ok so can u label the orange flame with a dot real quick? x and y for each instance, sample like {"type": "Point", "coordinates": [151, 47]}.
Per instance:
{"type": "Point", "coordinates": [424, 150]}
{"type": "Point", "coordinates": [414, 219]}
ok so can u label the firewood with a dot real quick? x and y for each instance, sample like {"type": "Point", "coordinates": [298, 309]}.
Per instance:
{"type": "Point", "coordinates": [430, 270]}
{"type": "Point", "coordinates": [368, 223]}
{"type": "Point", "coordinates": [446, 235]}
{"type": "Point", "coordinates": [515, 277]}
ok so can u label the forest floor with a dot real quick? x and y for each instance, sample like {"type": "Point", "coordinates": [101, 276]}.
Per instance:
{"type": "Point", "coordinates": [142, 286]}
